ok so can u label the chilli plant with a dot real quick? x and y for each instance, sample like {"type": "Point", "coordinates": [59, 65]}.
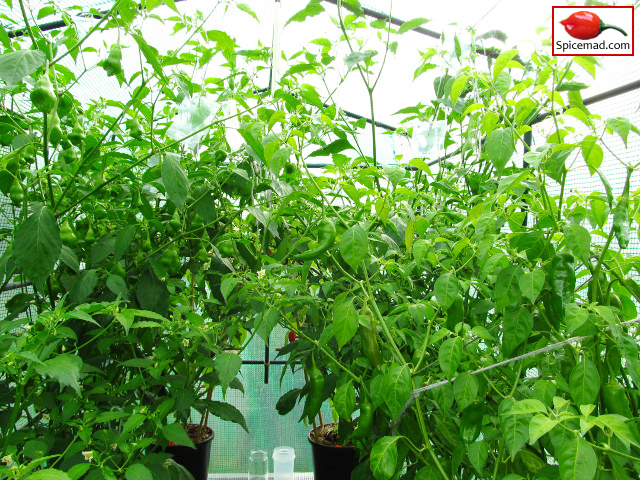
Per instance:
{"type": "Point", "coordinates": [122, 215]}
{"type": "Point", "coordinates": [472, 318]}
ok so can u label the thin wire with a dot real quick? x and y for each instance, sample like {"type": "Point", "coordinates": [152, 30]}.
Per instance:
{"type": "Point", "coordinates": [548, 348]}
{"type": "Point", "coordinates": [487, 13]}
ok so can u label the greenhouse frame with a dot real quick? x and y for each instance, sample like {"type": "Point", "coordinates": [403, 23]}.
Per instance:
{"type": "Point", "coordinates": [330, 239]}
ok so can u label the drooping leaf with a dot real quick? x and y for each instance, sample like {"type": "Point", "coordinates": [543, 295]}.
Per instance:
{"type": "Point", "coordinates": [37, 245]}
{"type": "Point", "coordinates": [578, 240]}
{"type": "Point", "coordinates": [174, 432]}
{"type": "Point", "coordinates": [584, 383]}
{"type": "Point", "coordinates": [500, 146]}
{"type": "Point", "coordinates": [577, 460]}
{"type": "Point", "coordinates": [465, 389]}
{"type": "Point", "coordinates": [354, 246]}
{"type": "Point", "coordinates": [449, 356]}
{"type": "Point", "coordinates": [514, 427]}
{"type": "Point", "coordinates": [517, 326]}
{"type": "Point", "coordinates": [14, 66]}
{"type": "Point", "coordinates": [64, 368]}
{"type": "Point", "coordinates": [383, 458]}
{"type": "Point", "coordinates": [446, 289]}
{"type": "Point", "coordinates": [227, 365]}
{"type": "Point", "coordinates": [138, 471]}
{"type": "Point", "coordinates": [396, 388]}
{"type": "Point", "coordinates": [312, 9]}
{"type": "Point", "coordinates": [226, 411]}
{"type": "Point", "coordinates": [531, 284]}
{"type": "Point", "coordinates": [344, 400]}
{"type": "Point", "coordinates": [336, 146]}
{"type": "Point", "coordinates": [175, 179]}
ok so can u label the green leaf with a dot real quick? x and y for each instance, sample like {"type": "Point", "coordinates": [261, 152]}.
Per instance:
{"type": "Point", "coordinates": [344, 400]}
{"type": "Point", "coordinates": [617, 425]}
{"type": "Point", "coordinates": [449, 356]}
{"type": "Point", "coordinates": [312, 9]}
{"type": "Point", "coordinates": [531, 284]}
{"type": "Point", "coordinates": [446, 290]}
{"type": "Point", "coordinates": [578, 240]}
{"type": "Point", "coordinates": [396, 388]}
{"type": "Point", "coordinates": [525, 407]}
{"type": "Point", "coordinates": [268, 321]}
{"type": "Point", "coordinates": [621, 126]}
{"type": "Point", "coordinates": [175, 179]}
{"type": "Point", "coordinates": [125, 319]}
{"type": "Point", "coordinates": [575, 316]}
{"type": "Point", "coordinates": [37, 245]}
{"type": "Point", "coordinates": [517, 325]}
{"type": "Point", "coordinates": [150, 54]}
{"type": "Point", "coordinates": [227, 412]}
{"type": "Point", "coordinates": [577, 460]}
{"type": "Point", "coordinates": [540, 425]}
{"type": "Point", "coordinates": [65, 369]}
{"type": "Point", "coordinates": [227, 365]}
{"type": "Point", "coordinates": [354, 246]}
{"type": "Point", "coordinates": [478, 454]}
{"type": "Point", "coordinates": [138, 471]}
{"type": "Point", "coordinates": [84, 286]}
{"type": "Point", "coordinates": [345, 320]}
{"type": "Point", "coordinates": [514, 427]}
{"type": "Point", "coordinates": [383, 458]}
{"type": "Point", "coordinates": [123, 240]}
{"type": "Point", "coordinates": [584, 383]}
{"type": "Point", "coordinates": [152, 293]}
{"type": "Point", "coordinates": [334, 147]}
{"type": "Point", "coordinates": [174, 432]}
{"type": "Point", "coordinates": [247, 9]}
{"type": "Point", "coordinates": [412, 24]}
{"type": "Point", "coordinates": [118, 286]}
{"type": "Point", "coordinates": [465, 390]}
{"type": "Point", "coordinates": [502, 61]}
{"type": "Point", "coordinates": [457, 87]}
{"type": "Point", "coordinates": [14, 66]}
{"type": "Point", "coordinates": [355, 58]}
{"type": "Point", "coordinates": [500, 147]}
{"type": "Point", "coordinates": [507, 292]}
{"type": "Point", "coordinates": [48, 474]}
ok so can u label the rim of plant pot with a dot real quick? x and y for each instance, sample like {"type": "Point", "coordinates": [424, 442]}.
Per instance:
{"type": "Point", "coordinates": [312, 437]}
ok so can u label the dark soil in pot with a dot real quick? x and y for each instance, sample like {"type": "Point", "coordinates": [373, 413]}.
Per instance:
{"type": "Point", "coordinates": [196, 461]}
{"type": "Point", "coordinates": [331, 459]}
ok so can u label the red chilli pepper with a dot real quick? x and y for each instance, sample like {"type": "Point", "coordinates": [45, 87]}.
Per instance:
{"type": "Point", "coordinates": [584, 25]}
{"type": "Point", "coordinates": [292, 336]}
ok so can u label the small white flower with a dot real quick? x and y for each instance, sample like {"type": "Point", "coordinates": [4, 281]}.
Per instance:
{"type": "Point", "coordinates": [185, 342]}
{"type": "Point", "coordinates": [27, 328]}
{"type": "Point", "coordinates": [88, 455]}
{"type": "Point", "coordinates": [7, 460]}
{"type": "Point", "coordinates": [261, 273]}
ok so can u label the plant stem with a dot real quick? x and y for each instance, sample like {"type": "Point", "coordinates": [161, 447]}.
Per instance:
{"type": "Point", "coordinates": [89, 33]}
{"type": "Point", "coordinates": [26, 23]}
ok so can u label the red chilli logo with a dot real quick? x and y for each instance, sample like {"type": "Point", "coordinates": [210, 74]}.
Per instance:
{"type": "Point", "coordinates": [585, 25]}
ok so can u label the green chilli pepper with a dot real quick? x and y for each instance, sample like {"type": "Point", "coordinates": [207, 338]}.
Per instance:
{"type": "Point", "coordinates": [615, 400]}
{"type": "Point", "coordinates": [563, 283]}
{"type": "Point", "coordinates": [316, 390]}
{"type": "Point", "coordinates": [113, 63]}
{"type": "Point", "coordinates": [326, 239]}
{"type": "Point", "coordinates": [67, 236]}
{"type": "Point", "coordinates": [621, 216]}
{"type": "Point", "coordinates": [370, 339]}
{"type": "Point", "coordinates": [16, 193]}
{"type": "Point", "coordinates": [365, 422]}
{"type": "Point", "coordinates": [42, 96]}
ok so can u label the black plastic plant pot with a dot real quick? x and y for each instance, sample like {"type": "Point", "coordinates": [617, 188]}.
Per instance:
{"type": "Point", "coordinates": [332, 463]}
{"type": "Point", "coordinates": [196, 461]}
